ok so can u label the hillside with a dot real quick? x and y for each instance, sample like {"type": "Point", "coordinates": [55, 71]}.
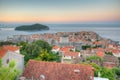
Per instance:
{"type": "Point", "coordinates": [34, 27]}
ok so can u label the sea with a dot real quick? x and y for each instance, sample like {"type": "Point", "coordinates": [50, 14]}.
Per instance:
{"type": "Point", "coordinates": [109, 31]}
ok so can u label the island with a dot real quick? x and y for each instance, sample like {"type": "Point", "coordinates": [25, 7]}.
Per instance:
{"type": "Point", "coordinates": [34, 27]}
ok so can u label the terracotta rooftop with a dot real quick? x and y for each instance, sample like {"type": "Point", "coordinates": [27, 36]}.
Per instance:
{"type": "Point", "coordinates": [11, 47]}
{"type": "Point", "coordinates": [57, 71]}
{"type": "Point", "coordinates": [55, 47]}
{"type": "Point", "coordinates": [116, 51]}
{"type": "Point", "coordinates": [67, 48]}
{"type": "Point", "coordinates": [35, 36]}
{"type": "Point", "coordinates": [2, 52]}
{"type": "Point", "coordinates": [64, 49]}
{"type": "Point", "coordinates": [5, 48]}
{"type": "Point", "coordinates": [100, 53]}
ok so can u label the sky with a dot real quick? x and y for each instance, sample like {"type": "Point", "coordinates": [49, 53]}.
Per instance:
{"type": "Point", "coordinates": [56, 11]}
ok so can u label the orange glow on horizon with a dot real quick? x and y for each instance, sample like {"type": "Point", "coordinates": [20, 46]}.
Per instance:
{"type": "Point", "coordinates": [79, 17]}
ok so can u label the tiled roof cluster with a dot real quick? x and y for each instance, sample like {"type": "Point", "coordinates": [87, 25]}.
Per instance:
{"type": "Point", "coordinates": [57, 71]}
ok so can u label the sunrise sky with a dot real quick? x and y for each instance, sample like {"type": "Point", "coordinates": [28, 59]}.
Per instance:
{"type": "Point", "coordinates": [59, 10]}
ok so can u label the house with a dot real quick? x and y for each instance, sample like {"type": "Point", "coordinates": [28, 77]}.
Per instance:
{"type": "Point", "coordinates": [10, 52]}
{"type": "Point", "coordinates": [55, 49]}
{"type": "Point", "coordinates": [116, 52]}
{"type": "Point", "coordinates": [35, 36]}
{"type": "Point", "coordinates": [64, 38]}
{"type": "Point", "coordinates": [67, 48]}
{"type": "Point", "coordinates": [110, 61]}
{"type": "Point", "coordinates": [38, 70]}
{"type": "Point", "coordinates": [71, 55]}
{"type": "Point", "coordinates": [68, 53]}
{"type": "Point", "coordinates": [100, 54]}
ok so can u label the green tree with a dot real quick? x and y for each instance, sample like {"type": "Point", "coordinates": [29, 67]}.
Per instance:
{"type": "Point", "coordinates": [108, 53]}
{"type": "Point", "coordinates": [43, 44]}
{"type": "Point", "coordinates": [32, 50]}
{"type": "Point", "coordinates": [22, 43]}
{"type": "Point", "coordinates": [9, 73]}
{"type": "Point", "coordinates": [0, 62]}
{"type": "Point", "coordinates": [84, 47]}
{"type": "Point", "coordinates": [5, 43]}
{"type": "Point", "coordinates": [96, 69]}
{"type": "Point", "coordinates": [119, 60]}
{"type": "Point", "coordinates": [46, 56]}
{"type": "Point", "coordinates": [90, 58]}
{"type": "Point", "coordinates": [117, 72]}
{"type": "Point", "coordinates": [107, 73]}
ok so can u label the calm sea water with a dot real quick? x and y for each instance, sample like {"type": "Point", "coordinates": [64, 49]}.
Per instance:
{"type": "Point", "coordinates": [106, 31]}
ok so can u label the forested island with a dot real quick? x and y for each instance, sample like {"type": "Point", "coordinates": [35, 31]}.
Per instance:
{"type": "Point", "coordinates": [34, 27]}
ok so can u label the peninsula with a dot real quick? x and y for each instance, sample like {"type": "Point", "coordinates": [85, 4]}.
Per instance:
{"type": "Point", "coordinates": [34, 27]}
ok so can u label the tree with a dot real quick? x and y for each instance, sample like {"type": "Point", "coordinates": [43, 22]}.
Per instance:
{"type": "Point", "coordinates": [32, 50]}
{"type": "Point", "coordinates": [45, 56]}
{"type": "Point", "coordinates": [107, 73]}
{"type": "Point", "coordinates": [22, 43]}
{"type": "Point", "coordinates": [84, 47]}
{"type": "Point", "coordinates": [0, 62]}
{"type": "Point", "coordinates": [5, 43]}
{"type": "Point", "coordinates": [108, 53]}
{"type": "Point", "coordinates": [90, 58]}
{"type": "Point", "coordinates": [117, 72]}
{"type": "Point", "coordinates": [96, 69]}
{"type": "Point", "coordinates": [43, 44]}
{"type": "Point", "coordinates": [119, 60]}
{"type": "Point", "coordinates": [9, 73]}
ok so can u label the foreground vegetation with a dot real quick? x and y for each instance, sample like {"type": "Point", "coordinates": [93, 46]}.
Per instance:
{"type": "Point", "coordinates": [111, 74]}
{"type": "Point", "coordinates": [8, 73]}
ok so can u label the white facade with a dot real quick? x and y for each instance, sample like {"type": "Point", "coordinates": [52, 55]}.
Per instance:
{"type": "Point", "coordinates": [68, 57]}
{"type": "Point", "coordinates": [116, 54]}
{"type": "Point", "coordinates": [56, 50]}
{"type": "Point", "coordinates": [18, 58]}
{"type": "Point", "coordinates": [98, 78]}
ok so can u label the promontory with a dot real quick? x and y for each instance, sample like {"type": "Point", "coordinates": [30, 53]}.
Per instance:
{"type": "Point", "coordinates": [34, 27]}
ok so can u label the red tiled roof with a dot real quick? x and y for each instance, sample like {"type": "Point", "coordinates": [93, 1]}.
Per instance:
{"type": "Point", "coordinates": [35, 36]}
{"type": "Point", "coordinates": [64, 49]}
{"type": "Point", "coordinates": [75, 54]}
{"type": "Point", "coordinates": [5, 48]}
{"type": "Point", "coordinates": [67, 48]}
{"type": "Point", "coordinates": [100, 54]}
{"type": "Point", "coordinates": [11, 47]}
{"type": "Point", "coordinates": [2, 52]}
{"type": "Point", "coordinates": [58, 71]}
{"type": "Point", "coordinates": [97, 43]}
{"type": "Point", "coordinates": [116, 51]}
{"type": "Point", "coordinates": [55, 47]}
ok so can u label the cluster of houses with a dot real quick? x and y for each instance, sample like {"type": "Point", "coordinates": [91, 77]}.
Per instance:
{"type": "Point", "coordinates": [69, 46]}
{"type": "Point", "coordinates": [70, 55]}
{"type": "Point", "coordinates": [67, 52]}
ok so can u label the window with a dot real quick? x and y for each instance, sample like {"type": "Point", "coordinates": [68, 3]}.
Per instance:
{"type": "Point", "coordinates": [7, 61]}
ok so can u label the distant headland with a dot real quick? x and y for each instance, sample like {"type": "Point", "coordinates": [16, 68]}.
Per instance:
{"type": "Point", "coordinates": [34, 27]}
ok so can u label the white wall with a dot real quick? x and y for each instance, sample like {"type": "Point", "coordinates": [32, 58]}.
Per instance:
{"type": "Point", "coordinates": [19, 59]}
